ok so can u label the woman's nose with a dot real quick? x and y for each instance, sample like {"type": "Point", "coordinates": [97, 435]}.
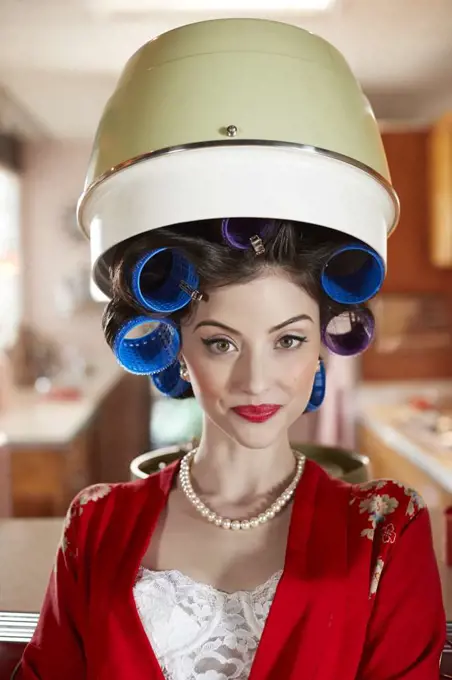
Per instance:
{"type": "Point", "coordinates": [252, 374]}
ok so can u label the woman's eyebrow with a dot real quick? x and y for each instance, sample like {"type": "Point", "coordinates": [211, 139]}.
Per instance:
{"type": "Point", "coordinates": [218, 324]}
{"type": "Point", "coordinates": [293, 319]}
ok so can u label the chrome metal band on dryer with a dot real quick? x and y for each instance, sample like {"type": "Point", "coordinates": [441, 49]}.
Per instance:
{"type": "Point", "coordinates": [229, 144]}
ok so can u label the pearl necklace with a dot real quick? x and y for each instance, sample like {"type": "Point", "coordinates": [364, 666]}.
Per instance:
{"type": "Point", "coordinates": [236, 524]}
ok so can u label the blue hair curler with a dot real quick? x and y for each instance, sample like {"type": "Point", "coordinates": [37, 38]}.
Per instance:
{"type": "Point", "coordinates": [151, 353]}
{"type": "Point", "coordinates": [169, 381]}
{"type": "Point", "coordinates": [245, 233]}
{"type": "Point", "coordinates": [177, 290]}
{"type": "Point", "coordinates": [318, 389]}
{"type": "Point", "coordinates": [353, 340]}
{"type": "Point", "coordinates": [353, 274]}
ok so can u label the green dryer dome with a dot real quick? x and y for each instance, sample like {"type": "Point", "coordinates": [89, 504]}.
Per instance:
{"type": "Point", "coordinates": [236, 118]}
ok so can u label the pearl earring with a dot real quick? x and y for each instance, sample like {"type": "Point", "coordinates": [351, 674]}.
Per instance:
{"type": "Point", "coordinates": [183, 371]}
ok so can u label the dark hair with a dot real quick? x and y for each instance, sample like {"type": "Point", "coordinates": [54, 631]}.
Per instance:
{"type": "Point", "coordinates": [299, 249]}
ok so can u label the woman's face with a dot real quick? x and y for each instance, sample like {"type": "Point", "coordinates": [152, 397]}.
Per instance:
{"type": "Point", "coordinates": [253, 344]}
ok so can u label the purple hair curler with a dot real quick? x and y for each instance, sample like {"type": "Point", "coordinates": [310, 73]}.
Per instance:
{"type": "Point", "coordinates": [349, 333]}
{"type": "Point", "coordinates": [244, 233]}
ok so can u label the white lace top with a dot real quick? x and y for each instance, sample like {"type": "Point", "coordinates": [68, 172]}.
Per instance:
{"type": "Point", "coordinates": [197, 632]}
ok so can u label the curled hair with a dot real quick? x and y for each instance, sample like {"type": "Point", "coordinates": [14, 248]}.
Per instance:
{"type": "Point", "coordinates": [300, 250]}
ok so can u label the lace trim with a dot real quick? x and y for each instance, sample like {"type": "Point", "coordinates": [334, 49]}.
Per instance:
{"type": "Point", "coordinates": [144, 573]}
{"type": "Point", "coordinates": [197, 631]}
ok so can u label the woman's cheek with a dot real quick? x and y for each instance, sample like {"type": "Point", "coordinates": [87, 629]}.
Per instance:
{"type": "Point", "coordinates": [210, 381]}
{"type": "Point", "coordinates": [300, 374]}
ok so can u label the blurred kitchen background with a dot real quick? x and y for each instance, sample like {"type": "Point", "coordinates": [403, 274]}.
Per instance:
{"type": "Point", "coordinates": [69, 416]}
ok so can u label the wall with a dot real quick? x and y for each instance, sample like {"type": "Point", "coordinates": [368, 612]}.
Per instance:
{"type": "Point", "coordinates": [53, 178]}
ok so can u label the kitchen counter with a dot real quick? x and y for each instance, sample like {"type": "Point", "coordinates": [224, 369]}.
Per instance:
{"type": "Point", "coordinates": [383, 409]}
{"type": "Point", "coordinates": [32, 419]}
{"type": "Point", "coordinates": [51, 449]}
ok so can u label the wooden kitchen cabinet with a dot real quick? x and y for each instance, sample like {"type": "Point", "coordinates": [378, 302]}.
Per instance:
{"type": "Point", "coordinates": [412, 273]}
{"type": "Point", "coordinates": [45, 478]}
{"type": "Point", "coordinates": [411, 267]}
{"type": "Point", "coordinates": [440, 189]}
{"type": "Point", "coordinates": [121, 429]}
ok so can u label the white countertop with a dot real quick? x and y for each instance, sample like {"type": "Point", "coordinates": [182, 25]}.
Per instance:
{"type": "Point", "coordinates": [381, 407]}
{"type": "Point", "coordinates": [31, 419]}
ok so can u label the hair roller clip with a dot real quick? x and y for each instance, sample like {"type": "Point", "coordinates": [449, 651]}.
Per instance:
{"type": "Point", "coordinates": [195, 295]}
{"type": "Point", "coordinates": [257, 245]}
{"type": "Point", "coordinates": [164, 280]}
{"type": "Point", "coordinates": [144, 351]}
{"type": "Point", "coordinates": [349, 333]}
{"type": "Point", "coordinates": [353, 274]}
{"type": "Point", "coordinates": [169, 381]}
{"type": "Point", "coordinates": [245, 233]}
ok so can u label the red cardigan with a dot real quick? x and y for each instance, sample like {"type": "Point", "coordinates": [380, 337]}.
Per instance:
{"type": "Point", "coordinates": [359, 598]}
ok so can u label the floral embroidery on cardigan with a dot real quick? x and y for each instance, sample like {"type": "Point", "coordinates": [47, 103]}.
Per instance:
{"type": "Point", "coordinates": [376, 575]}
{"type": "Point", "coordinates": [375, 485]}
{"type": "Point", "coordinates": [389, 534]}
{"type": "Point", "coordinates": [416, 502]}
{"type": "Point", "coordinates": [63, 546]}
{"type": "Point", "coordinates": [377, 506]}
{"type": "Point", "coordinates": [377, 501]}
{"type": "Point", "coordinates": [91, 493]}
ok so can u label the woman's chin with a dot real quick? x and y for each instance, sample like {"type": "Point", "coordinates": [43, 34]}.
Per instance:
{"type": "Point", "coordinates": [252, 435]}
{"type": "Point", "coordinates": [255, 435]}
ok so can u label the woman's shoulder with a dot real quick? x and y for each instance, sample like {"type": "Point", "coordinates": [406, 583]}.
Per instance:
{"type": "Point", "coordinates": [378, 508]}
{"type": "Point", "coordinates": [377, 500]}
{"type": "Point", "coordinates": [102, 494]}
{"type": "Point", "coordinates": [384, 501]}
{"type": "Point", "coordinates": [104, 500]}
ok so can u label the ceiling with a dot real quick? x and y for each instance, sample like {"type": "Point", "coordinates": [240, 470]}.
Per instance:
{"type": "Point", "coordinates": [59, 59]}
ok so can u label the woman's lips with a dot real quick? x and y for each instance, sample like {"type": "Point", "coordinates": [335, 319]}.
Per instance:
{"type": "Point", "coordinates": [257, 414]}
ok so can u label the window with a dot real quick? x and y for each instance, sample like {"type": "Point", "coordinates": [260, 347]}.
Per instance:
{"type": "Point", "coordinates": [10, 274]}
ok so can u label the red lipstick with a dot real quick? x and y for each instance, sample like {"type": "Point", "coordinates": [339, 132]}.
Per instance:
{"type": "Point", "coordinates": [257, 414]}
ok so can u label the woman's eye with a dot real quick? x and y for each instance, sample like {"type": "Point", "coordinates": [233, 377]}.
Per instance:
{"type": "Point", "coordinates": [218, 345]}
{"type": "Point", "coordinates": [291, 341]}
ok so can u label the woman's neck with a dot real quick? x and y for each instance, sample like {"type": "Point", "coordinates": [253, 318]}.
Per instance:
{"type": "Point", "coordinates": [226, 471]}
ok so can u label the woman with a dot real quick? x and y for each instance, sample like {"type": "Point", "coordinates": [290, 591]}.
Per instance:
{"type": "Point", "coordinates": [244, 560]}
